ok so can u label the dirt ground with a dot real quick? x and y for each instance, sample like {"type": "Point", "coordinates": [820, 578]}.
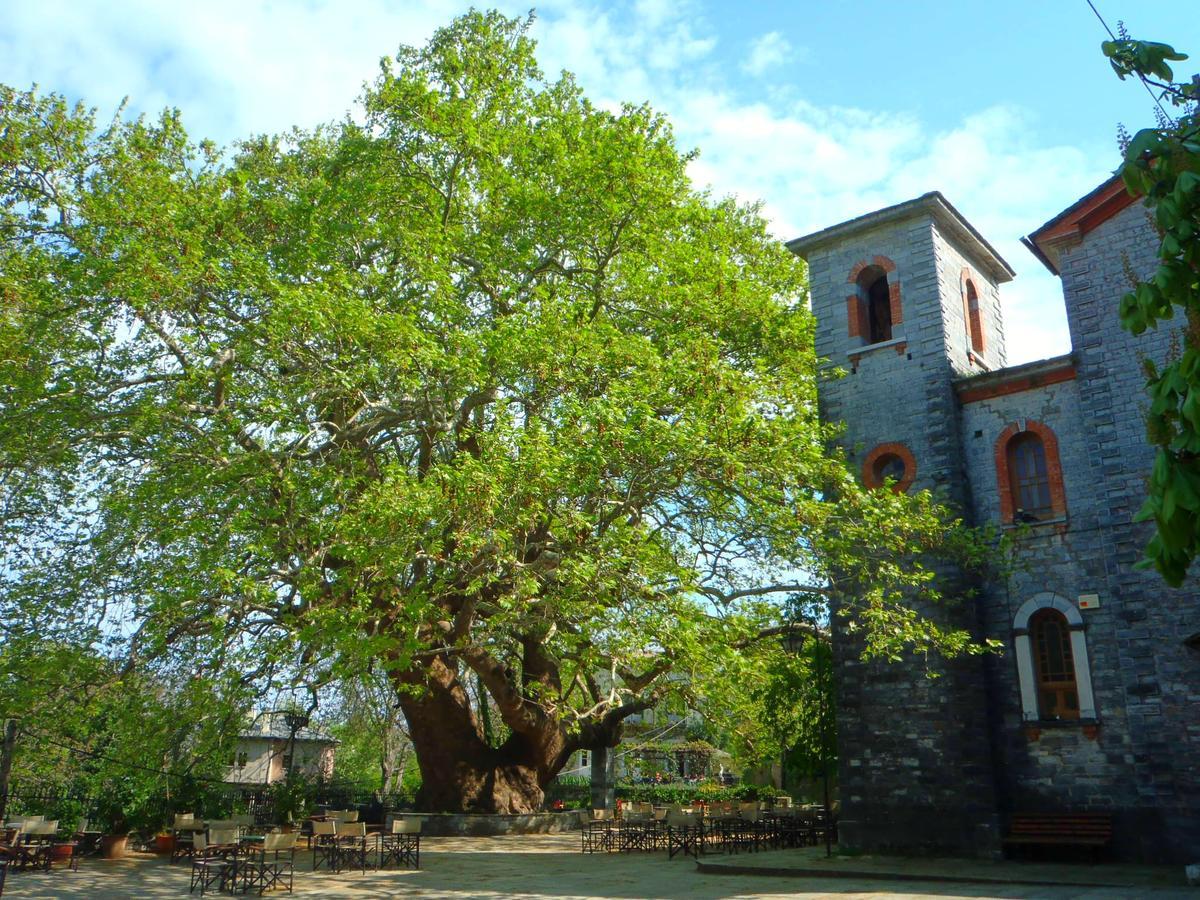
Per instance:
{"type": "Point", "coordinates": [531, 866]}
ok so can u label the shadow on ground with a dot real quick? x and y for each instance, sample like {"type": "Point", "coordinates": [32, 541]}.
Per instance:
{"type": "Point", "coordinates": [533, 866]}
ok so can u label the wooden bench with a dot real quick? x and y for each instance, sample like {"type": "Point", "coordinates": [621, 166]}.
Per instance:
{"type": "Point", "coordinates": [1093, 830]}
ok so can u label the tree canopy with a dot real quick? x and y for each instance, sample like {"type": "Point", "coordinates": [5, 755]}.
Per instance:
{"type": "Point", "coordinates": [474, 386]}
{"type": "Point", "coordinates": [1163, 165]}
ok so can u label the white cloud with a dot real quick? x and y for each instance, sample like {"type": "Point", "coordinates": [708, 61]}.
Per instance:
{"type": "Point", "coordinates": [237, 68]}
{"type": "Point", "coordinates": [772, 49]}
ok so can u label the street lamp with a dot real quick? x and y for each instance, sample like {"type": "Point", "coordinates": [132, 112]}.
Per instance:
{"type": "Point", "coordinates": [294, 721]}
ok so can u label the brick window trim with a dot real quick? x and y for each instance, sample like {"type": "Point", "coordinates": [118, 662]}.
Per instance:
{"type": "Point", "coordinates": [1058, 496]}
{"type": "Point", "coordinates": [897, 449]}
{"type": "Point", "coordinates": [973, 318]}
{"type": "Point", "coordinates": [856, 311]}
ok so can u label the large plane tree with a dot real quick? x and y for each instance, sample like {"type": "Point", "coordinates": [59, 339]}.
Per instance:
{"type": "Point", "coordinates": [474, 389]}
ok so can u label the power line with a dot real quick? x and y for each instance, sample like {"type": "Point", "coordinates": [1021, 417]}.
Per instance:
{"type": "Point", "coordinates": [1141, 78]}
{"type": "Point", "coordinates": [127, 764]}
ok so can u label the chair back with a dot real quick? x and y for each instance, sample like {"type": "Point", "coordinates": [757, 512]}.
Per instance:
{"type": "Point", "coordinates": [185, 820]}
{"type": "Point", "coordinates": [351, 829]}
{"type": "Point", "coordinates": [783, 802]}
{"type": "Point", "coordinates": [244, 820]}
{"type": "Point", "coordinates": [279, 841]}
{"type": "Point", "coordinates": [225, 835]}
{"type": "Point", "coordinates": [42, 827]}
{"type": "Point", "coordinates": [599, 815]}
{"type": "Point", "coordinates": [406, 826]}
{"type": "Point", "coordinates": [199, 842]}
{"type": "Point", "coordinates": [350, 815]}
{"type": "Point", "coordinates": [678, 817]}
{"type": "Point", "coordinates": [326, 828]}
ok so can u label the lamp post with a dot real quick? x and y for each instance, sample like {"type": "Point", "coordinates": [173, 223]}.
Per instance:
{"type": "Point", "coordinates": [295, 721]}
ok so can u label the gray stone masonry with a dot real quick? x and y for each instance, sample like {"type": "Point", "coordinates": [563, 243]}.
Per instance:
{"type": "Point", "coordinates": [935, 764]}
{"type": "Point", "coordinates": [916, 770]}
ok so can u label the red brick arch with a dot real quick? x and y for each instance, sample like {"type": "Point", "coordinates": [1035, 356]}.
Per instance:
{"type": "Point", "coordinates": [856, 312]}
{"type": "Point", "coordinates": [900, 450]}
{"type": "Point", "coordinates": [1058, 496]}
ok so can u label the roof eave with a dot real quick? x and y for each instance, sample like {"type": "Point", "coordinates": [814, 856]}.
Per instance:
{"type": "Point", "coordinates": [1085, 214]}
{"type": "Point", "coordinates": [933, 203]}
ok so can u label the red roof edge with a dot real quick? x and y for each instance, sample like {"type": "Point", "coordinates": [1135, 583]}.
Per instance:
{"type": "Point", "coordinates": [1084, 215]}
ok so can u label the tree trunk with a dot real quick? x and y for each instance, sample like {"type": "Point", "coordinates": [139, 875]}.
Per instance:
{"type": "Point", "coordinates": [603, 783]}
{"type": "Point", "coordinates": [6, 758]}
{"type": "Point", "coordinates": [460, 771]}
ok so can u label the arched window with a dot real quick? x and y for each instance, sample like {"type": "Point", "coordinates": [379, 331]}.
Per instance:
{"type": "Point", "coordinates": [1052, 660]}
{"type": "Point", "coordinates": [1053, 665]}
{"type": "Point", "coordinates": [1029, 474]}
{"type": "Point", "coordinates": [873, 311]}
{"type": "Point", "coordinates": [1028, 479]}
{"type": "Point", "coordinates": [873, 287]}
{"type": "Point", "coordinates": [974, 319]}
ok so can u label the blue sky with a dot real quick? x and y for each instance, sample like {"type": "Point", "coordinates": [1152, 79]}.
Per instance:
{"type": "Point", "coordinates": [824, 110]}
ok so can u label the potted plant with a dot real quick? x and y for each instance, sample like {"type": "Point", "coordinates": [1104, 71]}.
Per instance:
{"type": "Point", "coordinates": [126, 804]}
{"type": "Point", "coordinates": [164, 842]}
{"type": "Point", "coordinates": [290, 799]}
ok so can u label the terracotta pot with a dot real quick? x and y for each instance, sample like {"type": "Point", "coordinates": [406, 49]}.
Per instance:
{"type": "Point", "coordinates": [61, 852]}
{"type": "Point", "coordinates": [112, 846]}
{"type": "Point", "coordinates": [164, 843]}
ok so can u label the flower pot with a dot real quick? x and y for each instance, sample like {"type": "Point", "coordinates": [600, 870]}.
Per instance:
{"type": "Point", "coordinates": [61, 852]}
{"type": "Point", "coordinates": [112, 846]}
{"type": "Point", "coordinates": [164, 843]}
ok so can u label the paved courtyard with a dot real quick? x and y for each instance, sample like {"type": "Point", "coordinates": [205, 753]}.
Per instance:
{"type": "Point", "coordinates": [538, 866]}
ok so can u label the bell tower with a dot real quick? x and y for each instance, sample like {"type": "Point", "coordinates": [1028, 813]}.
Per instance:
{"type": "Point", "coordinates": [906, 300]}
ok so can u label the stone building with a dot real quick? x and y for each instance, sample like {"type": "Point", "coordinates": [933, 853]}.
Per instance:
{"type": "Point", "coordinates": [267, 749]}
{"type": "Point", "coordinates": [1095, 703]}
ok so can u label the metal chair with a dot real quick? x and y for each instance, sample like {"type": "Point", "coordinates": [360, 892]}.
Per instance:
{"type": "Point", "coordinates": [402, 844]}
{"type": "Point", "coordinates": [270, 866]}
{"type": "Point", "coordinates": [352, 846]}
{"type": "Point", "coordinates": [598, 834]}
{"type": "Point", "coordinates": [324, 845]}
{"type": "Point", "coordinates": [209, 867]}
{"type": "Point", "coordinates": [685, 834]}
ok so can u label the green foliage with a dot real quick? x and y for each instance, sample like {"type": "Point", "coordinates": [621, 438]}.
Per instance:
{"type": "Point", "coordinates": [375, 748]}
{"type": "Point", "coordinates": [686, 794]}
{"type": "Point", "coordinates": [1163, 165]}
{"type": "Point", "coordinates": [141, 743]}
{"type": "Point", "coordinates": [292, 798]}
{"type": "Point", "coordinates": [576, 793]}
{"type": "Point", "coordinates": [799, 705]}
{"type": "Point", "coordinates": [477, 386]}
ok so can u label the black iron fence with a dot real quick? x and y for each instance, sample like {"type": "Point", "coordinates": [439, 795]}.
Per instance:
{"type": "Point", "coordinates": [205, 799]}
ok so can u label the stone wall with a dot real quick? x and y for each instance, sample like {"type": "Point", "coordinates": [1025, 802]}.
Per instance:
{"type": "Point", "coordinates": [915, 763]}
{"type": "Point", "coordinates": [926, 765]}
{"type": "Point", "coordinates": [1144, 763]}
{"type": "Point", "coordinates": [1141, 761]}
